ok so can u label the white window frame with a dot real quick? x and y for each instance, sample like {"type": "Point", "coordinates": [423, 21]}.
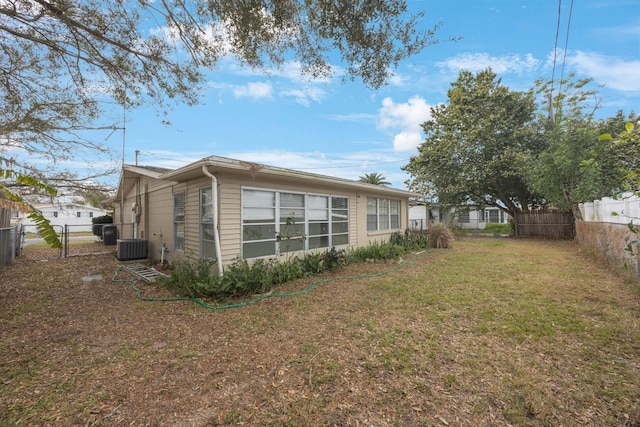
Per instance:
{"type": "Point", "coordinates": [207, 245]}
{"type": "Point", "coordinates": [383, 214]}
{"type": "Point", "coordinates": [314, 219]}
{"type": "Point", "coordinates": [178, 240]}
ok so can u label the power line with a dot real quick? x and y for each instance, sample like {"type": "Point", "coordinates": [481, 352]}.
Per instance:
{"type": "Point", "coordinates": [553, 71]}
{"type": "Point", "coordinates": [555, 47]}
{"type": "Point", "coordinates": [566, 46]}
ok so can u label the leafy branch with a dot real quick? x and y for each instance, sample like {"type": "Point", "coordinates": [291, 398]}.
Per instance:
{"type": "Point", "coordinates": [12, 201]}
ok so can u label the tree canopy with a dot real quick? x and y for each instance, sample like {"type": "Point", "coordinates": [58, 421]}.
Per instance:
{"type": "Point", "coordinates": [577, 166]}
{"type": "Point", "coordinates": [477, 145]}
{"type": "Point", "coordinates": [490, 146]}
{"type": "Point", "coordinates": [62, 61]}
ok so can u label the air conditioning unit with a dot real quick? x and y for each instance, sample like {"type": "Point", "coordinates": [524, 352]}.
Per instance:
{"type": "Point", "coordinates": [130, 249]}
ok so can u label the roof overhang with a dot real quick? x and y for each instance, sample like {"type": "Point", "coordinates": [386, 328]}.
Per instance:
{"type": "Point", "coordinates": [129, 175]}
{"type": "Point", "coordinates": [216, 164]}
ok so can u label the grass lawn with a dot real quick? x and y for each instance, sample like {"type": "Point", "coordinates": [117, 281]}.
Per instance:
{"type": "Point", "coordinates": [491, 332]}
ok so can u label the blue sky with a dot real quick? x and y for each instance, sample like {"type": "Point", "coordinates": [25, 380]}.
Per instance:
{"type": "Point", "coordinates": [345, 130]}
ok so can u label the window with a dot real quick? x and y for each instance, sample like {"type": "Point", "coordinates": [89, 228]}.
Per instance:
{"type": "Point", "coordinates": [78, 214]}
{"type": "Point", "coordinates": [463, 217]}
{"type": "Point", "coordinates": [339, 221]}
{"type": "Point", "coordinates": [382, 214]}
{"type": "Point", "coordinates": [207, 239]}
{"type": "Point", "coordinates": [318, 222]}
{"type": "Point", "coordinates": [258, 223]}
{"type": "Point", "coordinates": [90, 214]}
{"type": "Point", "coordinates": [178, 222]}
{"type": "Point", "coordinates": [55, 214]}
{"type": "Point", "coordinates": [323, 220]}
{"type": "Point", "coordinates": [492, 215]}
{"type": "Point", "coordinates": [292, 220]}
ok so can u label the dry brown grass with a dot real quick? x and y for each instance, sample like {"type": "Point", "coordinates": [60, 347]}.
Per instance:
{"type": "Point", "coordinates": [491, 332]}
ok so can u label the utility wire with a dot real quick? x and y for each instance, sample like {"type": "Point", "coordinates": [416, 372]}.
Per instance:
{"type": "Point", "coordinates": [553, 71]}
{"type": "Point", "coordinates": [555, 47]}
{"type": "Point", "coordinates": [566, 46]}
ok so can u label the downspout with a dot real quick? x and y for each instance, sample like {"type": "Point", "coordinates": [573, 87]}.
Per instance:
{"type": "Point", "coordinates": [214, 205]}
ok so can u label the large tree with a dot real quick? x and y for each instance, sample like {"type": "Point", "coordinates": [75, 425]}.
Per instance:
{"type": "Point", "coordinates": [61, 59]}
{"type": "Point", "coordinates": [476, 146]}
{"type": "Point", "coordinates": [576, 165]}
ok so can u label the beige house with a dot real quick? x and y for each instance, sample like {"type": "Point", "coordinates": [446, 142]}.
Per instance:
{"type": "Point", "coordinates": [226, 209]}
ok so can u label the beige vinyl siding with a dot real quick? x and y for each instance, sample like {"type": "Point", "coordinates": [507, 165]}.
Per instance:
{"type": "Point", "coordinates": [156, 219]}
{"type": "Point", "coordinates": [192, 216]}
{"type": "Point", "coordinates": [230, 221]}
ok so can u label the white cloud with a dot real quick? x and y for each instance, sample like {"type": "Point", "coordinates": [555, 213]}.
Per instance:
{"type": "Point", "coordinates": [613, 72]}
{"type": "Point", "coordinates": [408, 114]}
{"type": "Point", "coordinates": [255, 90]}
{"type": "Point", "coordinates": [407, 141]}
{"type": "Point", "coordinates": [353, 117]}
{"type": "Point", "coordinates": [305, 95]}
{"type": "Point", "coordinates": [475, 62]}
{"type": "Point", "coordinates": [404, 119]}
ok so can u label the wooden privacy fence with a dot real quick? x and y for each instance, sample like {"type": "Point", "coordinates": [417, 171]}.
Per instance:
{"type": "Point", "coordinates": [550, 225]}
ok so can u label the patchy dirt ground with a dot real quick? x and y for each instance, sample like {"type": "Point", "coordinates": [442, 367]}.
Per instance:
{"type": "Point", "coordinates": [533, 333]}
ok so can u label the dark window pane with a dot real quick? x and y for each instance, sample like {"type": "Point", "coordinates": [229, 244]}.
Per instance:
{"type": "Point", "coordinates": [258, 249]}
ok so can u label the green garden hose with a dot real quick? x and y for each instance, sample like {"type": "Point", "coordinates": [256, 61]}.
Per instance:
{"type": "Point", "coordinates": [311, 287]}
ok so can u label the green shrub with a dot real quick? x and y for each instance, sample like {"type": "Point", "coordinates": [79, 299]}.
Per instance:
{"type": "Point", "coordinates": [285, 271]}
{"type": "Point", "coordinates": [194, 279]}
{"type": "Point", "coordinates": [493, 227]}
{"type": "Point", "coordinates": [311, 263]}
{"type": "Point", "coordinates": [241, 278]}
{"type": "Point", "coordinates": [410, 239]}
{"type": "Point", "coordinates": [333, 259]}
{"type": "Point", "coordinates": [375, 251]}
{"type": "Point", "coordinates": [98, 222]}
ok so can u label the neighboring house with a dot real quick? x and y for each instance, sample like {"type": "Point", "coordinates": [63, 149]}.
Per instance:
{"type": "Point", "coordinates": [77, 217]}
{"type": "Point", "coordinates": [421, 217]}
{"type": "Point", "coordinates": [225, 209]}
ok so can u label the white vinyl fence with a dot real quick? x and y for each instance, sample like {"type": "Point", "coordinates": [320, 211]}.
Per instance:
{"type": "Point", "coordinates": [621, 210]}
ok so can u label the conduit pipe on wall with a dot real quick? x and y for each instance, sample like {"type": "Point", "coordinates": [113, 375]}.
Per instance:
{"type": "Point", "coordinates": [214, 205]}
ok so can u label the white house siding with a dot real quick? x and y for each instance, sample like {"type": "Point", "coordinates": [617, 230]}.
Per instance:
{"type": "Point", "coordinates": [63, 214]}
{"type": "Point", "coordinates": [477, 219]}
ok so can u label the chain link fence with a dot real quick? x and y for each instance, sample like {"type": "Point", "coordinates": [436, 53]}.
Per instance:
{"type": "Point", "coordinates": [77, 239]}
{"type": "Point", "coordinates": [33, 247]}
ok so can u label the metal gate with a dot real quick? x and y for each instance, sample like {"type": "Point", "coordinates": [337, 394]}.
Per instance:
{"type": "Point", "coordinates": [33, 247]}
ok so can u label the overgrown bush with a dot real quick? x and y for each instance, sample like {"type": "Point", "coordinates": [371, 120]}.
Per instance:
{"type": "Point", "coordinates": [440, 236]}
